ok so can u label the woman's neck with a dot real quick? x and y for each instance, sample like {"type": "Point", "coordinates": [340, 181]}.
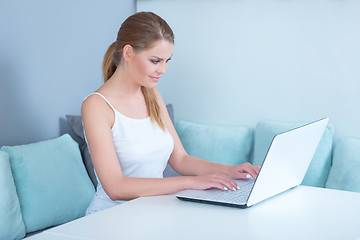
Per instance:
{"type": "Point", "coordinates": [122, 84]}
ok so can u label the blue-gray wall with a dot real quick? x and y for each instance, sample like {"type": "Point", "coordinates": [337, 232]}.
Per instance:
{"type": "Point", "coordinates": [50, 59]}
{"type": "Point", "coordinates": [236, 62]}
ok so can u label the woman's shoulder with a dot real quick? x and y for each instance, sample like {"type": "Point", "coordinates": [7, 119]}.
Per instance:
{"type": "Point", "coordinates": [94, 105]}
{"type": "Point", "coordinates": [93, 100]}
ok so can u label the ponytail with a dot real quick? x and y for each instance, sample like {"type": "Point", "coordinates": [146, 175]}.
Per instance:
{"type": "Point", "coordinates": [152, 106]}
{"type": "Point", "coordinates": [108, 65]}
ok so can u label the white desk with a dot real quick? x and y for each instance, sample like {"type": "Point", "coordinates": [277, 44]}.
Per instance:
{"type": "Point", "coordinates": [300, 213]}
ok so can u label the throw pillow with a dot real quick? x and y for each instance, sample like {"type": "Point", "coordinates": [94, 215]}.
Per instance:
{"type": "Point", "coordinates": [319, 168]}
{"type": "Point", "coordinates": [344, 172]}
{"type": "Point", "coordinates": [51, 182]}
{"type": "Point", "coordinates": [220, 144]}
{"type": "Point", "coordinates": [170, 110]}
{"type": "Point", "coordinates": [11, 222]}
{"type": "Point", "coordinates": [75, 122]}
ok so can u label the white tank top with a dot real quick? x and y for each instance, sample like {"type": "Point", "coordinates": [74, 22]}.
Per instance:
{"type": "Point", "coordinates": [142, 148]}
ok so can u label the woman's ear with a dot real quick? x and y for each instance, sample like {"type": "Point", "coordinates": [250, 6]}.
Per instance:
{"type": "Point", "coordinates": [128, 52]}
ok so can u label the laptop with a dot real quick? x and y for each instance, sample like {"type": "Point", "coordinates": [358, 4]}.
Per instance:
{"type": "Point", "coordinates": [284, 167]}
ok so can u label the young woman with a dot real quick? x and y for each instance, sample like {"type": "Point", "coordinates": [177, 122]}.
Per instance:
{"type": "Point", "coordinates": [129, 132]}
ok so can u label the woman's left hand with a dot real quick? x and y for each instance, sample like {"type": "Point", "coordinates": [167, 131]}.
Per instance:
{"type": "Point", "coordinates": [243, 171]}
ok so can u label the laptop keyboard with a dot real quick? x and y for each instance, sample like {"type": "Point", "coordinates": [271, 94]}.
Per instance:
{"type": "Point", "coordinates": [238, 197]}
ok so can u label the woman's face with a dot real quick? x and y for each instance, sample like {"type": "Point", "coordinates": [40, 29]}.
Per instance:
{"type": "Point", "coordinates": [147, 66]}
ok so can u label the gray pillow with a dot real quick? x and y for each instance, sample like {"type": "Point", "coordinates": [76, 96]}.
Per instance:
{"type": "Point", "coordinates": [170, 110]}
{"type": "Point", "coordinates": [169, 171]}
{"type": "Point", "coordinates": [75, 122]}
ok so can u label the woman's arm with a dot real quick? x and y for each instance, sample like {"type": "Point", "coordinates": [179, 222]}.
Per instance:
{"type": "Point", "coordinates": [98, 119]}
{"type": "Point", "coordinates": [189, 165]}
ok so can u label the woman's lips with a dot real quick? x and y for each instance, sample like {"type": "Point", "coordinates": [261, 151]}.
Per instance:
{"type": "Point", "coordinates": [155, 78]}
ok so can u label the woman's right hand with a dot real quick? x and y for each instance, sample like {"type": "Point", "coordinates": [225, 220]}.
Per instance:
{"type": "Point", "coordinates": [214, 180]}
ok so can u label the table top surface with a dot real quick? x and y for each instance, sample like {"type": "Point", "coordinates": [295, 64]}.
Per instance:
{"type": "Point", "coordinates": [299, 213]}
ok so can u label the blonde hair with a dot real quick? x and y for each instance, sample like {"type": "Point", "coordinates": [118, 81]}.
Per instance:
{"type": "Point", "coordinates": [140, 30]}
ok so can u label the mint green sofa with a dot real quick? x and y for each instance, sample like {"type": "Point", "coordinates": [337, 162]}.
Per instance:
{"type": "Point", "coordinates": [335, 165]}
{"type": "Point", "coordinates": [52, 182]}
{"type": "Point", "coordinates": [43, 184]}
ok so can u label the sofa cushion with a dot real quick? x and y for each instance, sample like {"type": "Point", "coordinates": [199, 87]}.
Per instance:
{"type": "Point", "coordinates": [220, 144]}
{"type": "Point", "coordinates": [11, 222]}
{"type": "Point", "coordinates": [344, 172]}
{"type": "Point", "coordinates": [51, 182]}
{"type": "Point", "coordinates": [319, 168]}
{"type": "Point", "coordinates": [75, 122]}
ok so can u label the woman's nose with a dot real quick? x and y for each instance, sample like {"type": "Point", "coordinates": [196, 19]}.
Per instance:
{"type": "Point", "coordinates": [162, 68]}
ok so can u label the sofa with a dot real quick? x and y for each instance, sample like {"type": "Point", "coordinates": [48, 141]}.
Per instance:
{"type": "Point", "coordinates": [52, 182]}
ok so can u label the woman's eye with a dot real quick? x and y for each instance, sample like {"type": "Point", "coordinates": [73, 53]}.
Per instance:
{"type": "Point", "coordinates": [155, 61]}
